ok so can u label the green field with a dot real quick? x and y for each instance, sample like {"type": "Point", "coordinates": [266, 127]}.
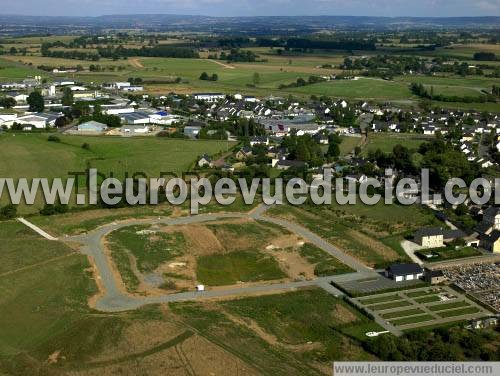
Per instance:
{"type": "Point", "coordinates": [417, 294]}
{"type": "Point", "coordinates": [407, 312]}
{"type": "Point", "coordinates": [370, 233]}
{"type": "Point", "coordinates": [43, 303]}
{"type": "Point", "coordinates": [31, 155]}
{"type": "Point", "coordinates": [442, 307]}
{"type": "Point", "coordinates": [380, 299]}
{"type": "Point", "coordinates": [428, 299]}
{"type": "Point", "coordinates": [302, 316]}
{"type": "Point", "coordinates": [391, 305]}
{"type": "Point", "coordinates": [412, 320]}
{"type": "Point", "coordinates": [324, 264]}
{"type": "Point", "coordinates": [150, 250]}
{"type": "Point", "coordinates": [459, 312]}
{"type": "Point", "coordinates": [238, 266]}
{"type": "Point", "coordinates": [452, 253]}
{"type": "Point", "coordinates": [348, 144]}
{"type": "Point", "coordinates": [386, 142]}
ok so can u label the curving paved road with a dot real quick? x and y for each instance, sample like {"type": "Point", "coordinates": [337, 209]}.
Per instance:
{"type": "Point", "coordinates": [116, 300]}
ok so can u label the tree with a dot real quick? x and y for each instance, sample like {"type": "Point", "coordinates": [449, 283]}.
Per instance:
{"type": "Point", "coordinates": [8, 212]}
{"type": "Point", "coordinates": [36, 102]}
{"type": "Point", "coordinates": [7, 102]}
{"type": "Point", "coordinates": [215, 77]}
{"type": "Point", "coordinates": [67, 98]}
{"type": "Point", "coordinates": [256, 78]}
{"type": "Point", "coordinates": [61, 122]}
{"type": "Point", "coordinates": [204, 76]}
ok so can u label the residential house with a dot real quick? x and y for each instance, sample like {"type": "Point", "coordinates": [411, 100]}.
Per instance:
{"type": "Point", "coordinates": [243, 153]}
{"type": "Point", "coordinates": [430, 237]}
{"type": "Point", "coordinates": [205, 161]}
{"type": "Point", "coordinates": [491, 242]}
{"type": "Point", "coordinates": [491, 217]}
{"type": "Point", "coordinates": [404, 272]}
{"type": "Point", "coordinates": [285, 164]}
{"type": "Point", "coordinates": [259, 140]}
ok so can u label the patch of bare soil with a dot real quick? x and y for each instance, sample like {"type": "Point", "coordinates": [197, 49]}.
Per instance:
{"type": "Point", "coordinates": [205, 358]}
{"type": "Point", "coordinates": [222, 64]}
{"type": "Point", "coordinates": [140, 336]}
{"type": "Point", "coordinates": [343, 315]}
{"type": "Point", "coordinates": [200, 239]}
{"type": "Point", "coordinates": [136, 63]}
{"type": "Point", "coordinates": [193, 356]}
{"type": "Point", "coordinates": [97, 278]}
{"type": "Point", "coordinates": [293, 264]}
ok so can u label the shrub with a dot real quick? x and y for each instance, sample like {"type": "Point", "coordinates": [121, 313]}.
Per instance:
{"type": "Point", "coordinates": [53, 138]}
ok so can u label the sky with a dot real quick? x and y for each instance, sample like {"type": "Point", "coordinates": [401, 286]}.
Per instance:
{"type": "Point", "coordinates": [390, 8]}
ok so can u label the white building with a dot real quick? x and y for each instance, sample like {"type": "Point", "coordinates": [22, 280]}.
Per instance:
{"type": "Point", "coordinates": [404, 272]}
{"type": "Point", "coordinates": [209, 97]}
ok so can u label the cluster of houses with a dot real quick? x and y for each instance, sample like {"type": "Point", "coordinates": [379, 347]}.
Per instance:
{"type": "Point", "coordinates": [486, 234]}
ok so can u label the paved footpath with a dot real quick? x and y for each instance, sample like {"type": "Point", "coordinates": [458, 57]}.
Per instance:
{"type": "Point", "coordinates": [36, 229]}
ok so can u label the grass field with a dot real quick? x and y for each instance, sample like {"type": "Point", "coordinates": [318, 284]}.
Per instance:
{"type": "Point", "coordinates": [391, 305]}
{"type": "Point", "coordinates": [417, 294]}
{"type": "Point", "coordinates": [387, 141]}
{"type": "Point", "coordinates": [369, 233]}
{"type": "Point", "coordinates": [428, 299]}
{"type": "Point", "coordinates": [412, 320]}
{"type": "Point", "coordinates": [404, 313]}
{"type": "Point", "coordinates": [308, 315]}
{"type": "Point", "coordinates": [459, 312]}
{"type": "Point", "coordinates": [287, 334]}
{"type": "Point", "coordinates": [150, 250]}
{"type": "Point", "coordinates": [381, 299]}
{"type": "Point", "coordinates": [348, 144]}
{"type": "Point", "coordinates": [324, 264]}
{"type": "Point", "coordinates": [43, 303]}
{"type": "Point", "coordinates": [452, 253]}
{"type": "Point", "coordinates": [442, 307]}
{"type": "Point", "coordinates": [238, 77]}
{"type": "Point", "coordinates": [234, 267]}
{"type": "Point", "coordinates": [31, 155]}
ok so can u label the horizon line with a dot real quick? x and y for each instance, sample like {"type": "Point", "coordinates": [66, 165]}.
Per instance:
{"type": "Point", "coordinates": [241, 16]}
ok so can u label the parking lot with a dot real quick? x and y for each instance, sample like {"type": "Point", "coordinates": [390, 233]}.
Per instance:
{"type": "Point", "coordinates": [415, 308]}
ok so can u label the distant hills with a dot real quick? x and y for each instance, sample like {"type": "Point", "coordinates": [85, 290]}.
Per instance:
{"type": "Point", "coordinates": [255, 25]}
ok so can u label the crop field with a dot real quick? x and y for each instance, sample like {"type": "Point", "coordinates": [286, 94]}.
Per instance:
{"type": "Point", "coordinates": [412, 309]}
{"type": "Point", "coordinates": [239, 77]}
{"type": "Point", "coordinates": [363, 88]}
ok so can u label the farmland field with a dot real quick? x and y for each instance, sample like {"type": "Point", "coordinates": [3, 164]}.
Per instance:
{"type": "Point", "coordinates": [31, 155]}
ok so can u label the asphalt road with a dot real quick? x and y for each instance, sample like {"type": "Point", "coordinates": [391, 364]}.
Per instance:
{"type": "Point", "coordinates": [116, 300]}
